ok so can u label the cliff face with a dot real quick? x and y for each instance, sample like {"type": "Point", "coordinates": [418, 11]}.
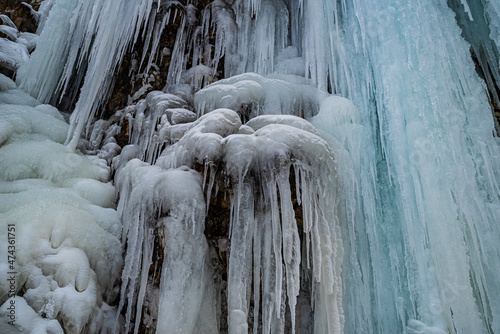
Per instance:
{"type": "Point", "coordinates": [129, 78]}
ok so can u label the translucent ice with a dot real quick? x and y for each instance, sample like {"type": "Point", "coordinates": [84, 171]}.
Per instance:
{"type": "Point", "coordinates": [429, 171]}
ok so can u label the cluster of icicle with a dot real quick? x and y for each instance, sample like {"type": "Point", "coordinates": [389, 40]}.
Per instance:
{"type": "Point", "coordinates": [286, 266]}
{"type": "Point", "coordinates": [92, 38]}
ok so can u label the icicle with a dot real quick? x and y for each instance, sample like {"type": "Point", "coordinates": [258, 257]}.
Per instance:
{"type": "Point", "coordinates": [258, 241]}
{"type": "Point", "coordinates": [96, 31]}
{"type": "Point", "coordinates": [211, 181]}
{"type": "Point", "coordinates": [240, 259]}
{"type": "Point", "coordinates": [291, 244]}
{"type": "Point", "coordinates": [178, 61]}
{"type": "Point", "coordinates": [467, 9]}
{"type": "Point", "coordinates": [146, 263]}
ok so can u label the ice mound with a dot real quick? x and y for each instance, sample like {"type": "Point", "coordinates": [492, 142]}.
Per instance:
{"type": "Point", "coordinates": [67, 234]}
{"type": "Point", "coordinates": [12, 54]}
{"type": "Point", "coordinates": [296, 122]}
{"type": "Point", "coordinates": [6, 83]}
{"type": "Point", "coordinates": [17, 96]}
{"type": "Point", "coordinates": [28, 321]}
{"type": "Point", "coordinates": [203, 141]}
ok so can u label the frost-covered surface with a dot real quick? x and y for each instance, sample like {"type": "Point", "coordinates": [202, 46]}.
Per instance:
{"type": "Point", "coordinates": [15, 46]}
{"type": "Point", "coordinates": [6, 83]}
{"type": "Point", "coordinates": [67, 232]}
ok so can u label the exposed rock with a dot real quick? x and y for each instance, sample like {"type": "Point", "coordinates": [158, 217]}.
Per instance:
{"type": "Point", "coordinates": [20, 14]}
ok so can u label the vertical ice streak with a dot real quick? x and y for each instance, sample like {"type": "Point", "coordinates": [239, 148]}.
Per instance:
{"type": "Point", "coordinates": [428, 223]}
{"type": "Point", "coordinates": [240, 269]}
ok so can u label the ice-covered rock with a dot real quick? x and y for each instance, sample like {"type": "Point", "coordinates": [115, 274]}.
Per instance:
{"type": "Point", "coordinates": [170, 202]}
{"type": "Point", "coordinates": [26, 318]}
{"type": "Point", "coordinates": [413, 186]}
{"type": "Point", "coordinates": [12, 54]}
{"type": "Point", "coordinates": [60, 210]}
{"type": "Point", "coordinates": [6, 83]}
{"type": "Point", "coordinates": [263, 230]}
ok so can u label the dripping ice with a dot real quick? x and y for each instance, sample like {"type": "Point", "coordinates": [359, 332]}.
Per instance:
{"type": "Point", "coordinates": [374, 113]}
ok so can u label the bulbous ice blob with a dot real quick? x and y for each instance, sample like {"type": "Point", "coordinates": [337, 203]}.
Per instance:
{"type": "Point", "coordinates": [6, 83]}
{"type": "Point", "coordinates": [260, 121]}
{"type": "Point", "coordinates": [203, 141]}
{"type": "Point", "coordinates": [252, 94]}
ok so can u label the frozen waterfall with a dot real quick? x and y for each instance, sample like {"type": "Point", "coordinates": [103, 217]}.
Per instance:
{"type": "Point", "coordinates": [250, 166]}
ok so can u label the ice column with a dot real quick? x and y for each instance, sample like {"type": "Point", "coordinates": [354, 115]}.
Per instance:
{"type": "Point", "coordinates": [427, 224]}
{"type": "Point", "coordinates": [170, 202]}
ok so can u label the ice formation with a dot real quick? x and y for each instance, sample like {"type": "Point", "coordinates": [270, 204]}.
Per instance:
{"type": "Point", "coordinates": [172, 202]}
{"type": "Point", "coordinates": [263, 230]}
{"type": "Point", "coordinates": [93, 39]}
{"type": "Point", "coordinates": [308, 166]}
{"type": "Point", "coordinates": [14, 50]}
{"type": "Point", "coordinates": [67, 246]}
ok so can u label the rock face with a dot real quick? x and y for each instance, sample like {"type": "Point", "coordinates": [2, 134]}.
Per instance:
{"type": "Point", "coordinates": [20, 14]}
